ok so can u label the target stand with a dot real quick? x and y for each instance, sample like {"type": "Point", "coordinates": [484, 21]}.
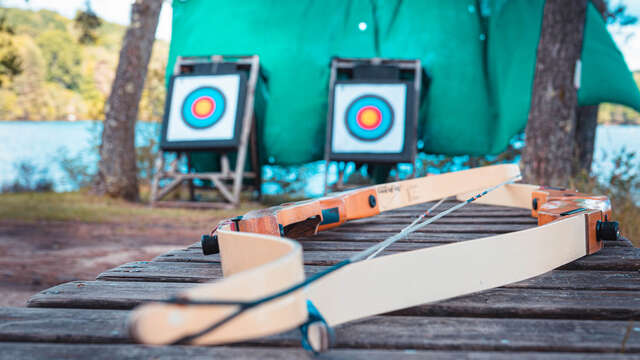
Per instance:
{"type": "Point", "coordinates": [209, 109]}
{"type": "Point", "coordinates": [373, 109]}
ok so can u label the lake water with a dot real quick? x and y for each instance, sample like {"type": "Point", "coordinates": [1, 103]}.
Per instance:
{"type": "Point", "coordinates": [43, 144]}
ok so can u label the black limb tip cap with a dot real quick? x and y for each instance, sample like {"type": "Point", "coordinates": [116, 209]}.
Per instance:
{"type": "Point", "coordinates": [607, 230]}
{"type": "Point", "coordinates": [210, 244]}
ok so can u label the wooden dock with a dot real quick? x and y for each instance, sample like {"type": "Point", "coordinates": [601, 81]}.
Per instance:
{"type": "Point", "coordinates": [589, 309]}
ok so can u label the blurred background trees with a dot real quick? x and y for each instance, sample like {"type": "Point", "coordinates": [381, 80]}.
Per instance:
{"type": "Point", "coordinates": [55, 68]}
{"type": "Point", "coordinates": [51, 70]}
{"type": "Point", "coordinates": [10, 62]}
{"type": "Point", "coordinates": [86, 21]}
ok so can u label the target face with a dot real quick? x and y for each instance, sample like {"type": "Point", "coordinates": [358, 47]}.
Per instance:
{"type": "Point", "coordinates": [203, 107]}
{"type": "Point", "coordinates": [204, 111]}
{"type": "Point", "coordinates": [368, 118]}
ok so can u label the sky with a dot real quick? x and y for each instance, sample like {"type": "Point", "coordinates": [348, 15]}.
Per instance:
{"type": "Point", "coordinates": [117, 11]}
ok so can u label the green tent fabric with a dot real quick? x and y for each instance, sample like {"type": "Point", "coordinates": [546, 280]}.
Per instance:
{"type": "Point", "coordinates": [480, 56]}
{"type": "Point", "coordinates": [605, 75]}
{"type": "Point", "coordinates": [512, 45]}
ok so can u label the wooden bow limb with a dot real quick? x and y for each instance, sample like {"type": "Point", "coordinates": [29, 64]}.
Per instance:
{"type": "Point", "coordinates": [258, 265]}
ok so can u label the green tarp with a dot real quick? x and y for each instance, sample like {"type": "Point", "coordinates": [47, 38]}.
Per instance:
{"type": "Point", "coordinates": [480, 56]}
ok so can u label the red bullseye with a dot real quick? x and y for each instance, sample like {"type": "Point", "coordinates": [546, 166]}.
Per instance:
{"type": "Point", "coordinates": [203, 107]}
{"type": "Point", "coordinates": [369, 117]}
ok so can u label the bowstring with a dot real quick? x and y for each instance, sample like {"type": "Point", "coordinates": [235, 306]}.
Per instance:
{"type": "Point", "coordinates": [365, 254]}
{"type": "Point", "coordinates": [374, 250]}
{"type": "Point", "coordinates": [424, 214]}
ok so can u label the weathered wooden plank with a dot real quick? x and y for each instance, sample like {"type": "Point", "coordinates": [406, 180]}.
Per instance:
{"type": "Point", "coordinates": [454, 220]}
{"type": "Point", "coordinates": [413, 237]}
{"type": "Point", "coordinates": [203, 272]}
{"type": "Point", "coordinates": [45, 351]}
{"type": "Point", "coordinates": [408, 244]}
{"type": "Point", "coordinates": [537, 303]}
{"type": "Point", "coordinates": [434, 227]}
{"type": "Point", "coordinates": [348, 241]}
{"type": "Point", "coordinates": [157, 271]}
{"type": "Point", "coordinates": [491, 334]}
{"type": "Point", "coordinates": [381, 332]}
{"type": "Point", "coordinates": [64, 325]}
{"type": "Point", "coordinates": [463, 213]}
{"type": "Point", "coordinates": [470, 207]}
{"type": "Point", "coordinates": [104, 294]}
{"type": "Point", "coordinates": [610, 258]}
{"type": "Point", "coordinates": [361, 245]}
{"type": "Point", "coordinates": [583, 280]}
{"type": "Point", "coordinates": [344, 239]}
{"type": "Point", "coordinates": [619, 243]}
{"type": "Point", "coordinates": [330, 241]}
{"type": "Point", "coordinates": [173, 272]}
{"type": "Point", "coordinates": [437, 238]}
{"type": "Point", "coordinates": [501, 302]}
{"type": "Point", "coordinates": [36, 351]}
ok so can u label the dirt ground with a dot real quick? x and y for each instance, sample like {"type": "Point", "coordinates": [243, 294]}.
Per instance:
{"type": "Point", "coordinates": [37, 255]}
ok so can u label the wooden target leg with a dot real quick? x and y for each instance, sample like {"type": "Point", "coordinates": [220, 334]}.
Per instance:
{"type": "Point", "coordinates": [340, 183]}
{"type": "Point", "coordinates": [157, 176]}
{"type": "Point", "coordinates": [246, 130]}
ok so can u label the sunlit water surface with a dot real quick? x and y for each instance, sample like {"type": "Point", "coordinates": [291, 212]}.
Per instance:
{"type": "Point", "coordinates": [43, 144]}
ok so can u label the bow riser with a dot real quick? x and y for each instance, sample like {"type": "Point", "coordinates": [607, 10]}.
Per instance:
{"type": "Point", "coordinates": [306, 218]}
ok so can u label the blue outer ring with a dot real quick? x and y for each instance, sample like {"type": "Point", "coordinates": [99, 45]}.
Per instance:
{"type": "Point", "coordinates": [386, 122]}
{"type": "Point", "coordinates": [210, 120]}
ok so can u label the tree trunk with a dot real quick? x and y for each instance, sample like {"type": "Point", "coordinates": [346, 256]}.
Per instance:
{"type": "Point", "coordinates": [117, 172]}
{"type": "Point", "coordinates": [587, 122]}
{"type": "Point", "coordinates": [548, 155]}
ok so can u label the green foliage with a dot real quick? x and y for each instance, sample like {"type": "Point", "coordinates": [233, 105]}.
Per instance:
{"type": "Point", "coordinates": [152, 101]}
{"type": "Point", "coordinates": [622, 185]}
{"type": "Point", "coordinates": [146, 155]}
{"type": "Point", "coordinates": [87, 22]}
{"type": "Point", "coordinates": [618, 114]}
{"type": "Point", "coordinates": [10, 61]}
{"type": "Point", "coordinates": [29, 178]}
{"type": "Point", "coordinates": [62, 56]}
{"type": "Point", "coordinates": [63, 74]}
{"type": "Point", "coordinates": [75, 169]}
{"type": "Point", "coordinates": [618, 14]}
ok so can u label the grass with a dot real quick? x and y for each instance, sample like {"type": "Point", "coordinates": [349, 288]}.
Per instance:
{"type": "Point", "coordinates": [624, 209]}
{"type": "Point", "coordinates": [622, 186]}
{"type": "Point", "coordinates": [83, 207]}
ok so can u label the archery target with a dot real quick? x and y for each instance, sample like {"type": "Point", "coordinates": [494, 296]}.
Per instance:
{"type": "Point", "coordinates": [369, 118]}
{"type": "Point", "coordinates": [203, 108]}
